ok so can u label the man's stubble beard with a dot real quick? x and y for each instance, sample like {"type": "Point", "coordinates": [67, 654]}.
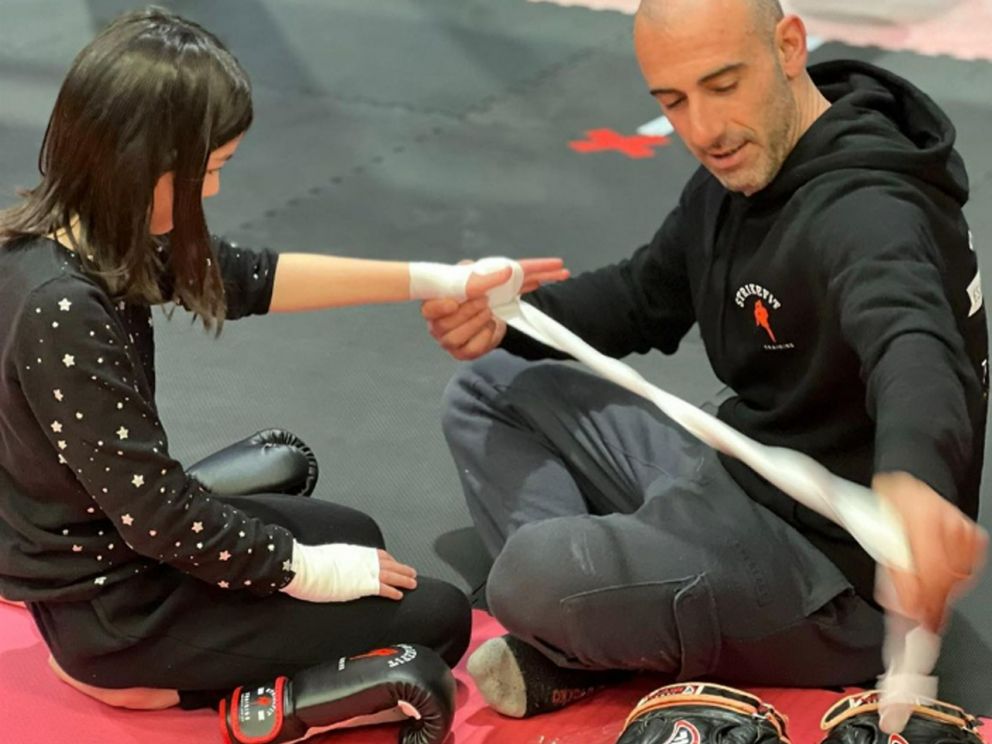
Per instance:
{"type": "Point", "coordinates": [779, 123]}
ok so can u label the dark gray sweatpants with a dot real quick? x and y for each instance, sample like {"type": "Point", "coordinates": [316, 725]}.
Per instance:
{"type": "Point", "coordinates": [621, 542]}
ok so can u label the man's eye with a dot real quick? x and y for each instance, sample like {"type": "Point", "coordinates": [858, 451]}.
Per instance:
{"type": "Point", "coordinates": [726, 88]}
{"type": "Point", "coordinates": [673, 104]}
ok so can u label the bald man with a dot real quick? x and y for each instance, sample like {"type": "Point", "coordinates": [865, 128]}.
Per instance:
{"type": "Point", "coordinates": [822, 250]}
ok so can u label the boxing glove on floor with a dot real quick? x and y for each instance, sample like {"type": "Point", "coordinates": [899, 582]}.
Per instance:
{"type": "Point", "coordinates": [269, 461]}
{"type": "Point", "coordinates": [411, 678]}
{"type": "Point", "coordinates": [854, 720]}
{"type": "Point", "coordinates": [698, 713]}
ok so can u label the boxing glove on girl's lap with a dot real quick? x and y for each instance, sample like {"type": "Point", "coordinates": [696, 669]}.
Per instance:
{"type": "Point", "coordinates": [269, 461]}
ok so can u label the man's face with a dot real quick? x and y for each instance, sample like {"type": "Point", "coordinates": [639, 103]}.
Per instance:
{"type": "Point", "coordinates": [723, 90]}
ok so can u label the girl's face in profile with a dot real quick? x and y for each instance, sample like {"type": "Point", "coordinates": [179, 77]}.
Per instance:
{"type": "Point", "coordinates": [161, 219]}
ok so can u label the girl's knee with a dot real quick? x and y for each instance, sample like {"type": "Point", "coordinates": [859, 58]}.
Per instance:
{"type": "Point", "coordinates": [450, 625]}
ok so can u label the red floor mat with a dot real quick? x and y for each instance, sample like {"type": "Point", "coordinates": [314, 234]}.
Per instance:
{"type": "Point", "coordinates": [37, 709]}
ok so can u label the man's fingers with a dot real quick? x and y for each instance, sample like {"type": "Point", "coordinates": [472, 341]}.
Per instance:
{"type": "Point", "coordinates": [485, 340]}
{"type": "Point", "coordinates": [432, 309]}
{"type": "Point", "coordinates": [441, 326]}
{"type": "Point", "coordinates": [458, 337]}
{"type": "Point", "coordinates": [965, 546]}
{"type": "Point", "coordinates": [906, 587]}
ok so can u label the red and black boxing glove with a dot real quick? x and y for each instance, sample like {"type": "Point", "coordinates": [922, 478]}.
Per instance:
{"type": "Point", "coordinates": [411, 680]}
{"type": "Point", "coordinates": [700, 713]}
{"type": "Point", "coordinates": [854, 720]}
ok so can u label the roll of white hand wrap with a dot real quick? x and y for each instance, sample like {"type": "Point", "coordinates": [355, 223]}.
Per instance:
{"type": "Point", "coordinates": [507, 292]}
{"type": "Point", "coordinates": [337, 572]}
{"type": "Point", "coordinates": [911, 651]}
{"type": "Point", "coordinates": [433, 280]}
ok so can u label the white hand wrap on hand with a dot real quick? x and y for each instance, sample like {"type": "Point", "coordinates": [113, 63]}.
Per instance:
{"type": "Point", "coordinates": [430, 281]}
{"type": "Point", "coordinates": [333, 573]}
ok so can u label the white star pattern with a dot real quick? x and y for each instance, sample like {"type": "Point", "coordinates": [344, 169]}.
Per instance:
{"type": "Point", "coordinates": [83, 424]}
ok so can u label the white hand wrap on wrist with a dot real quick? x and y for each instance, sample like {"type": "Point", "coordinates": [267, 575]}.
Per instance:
{"type": "Point", "coordinates": [333, 573]}
{"type": "Point", "coordinates": [429, 281]}
{"type": "Point", "coordinates": [433, 280]}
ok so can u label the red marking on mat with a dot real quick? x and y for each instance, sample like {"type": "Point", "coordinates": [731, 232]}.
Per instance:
{"type": "Point", "coordinates": [38, 709]}
{"type": "Point", "coordinates": [633, 146]}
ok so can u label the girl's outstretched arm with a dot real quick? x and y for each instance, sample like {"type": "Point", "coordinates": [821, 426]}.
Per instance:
{"type": "Point", "coordinates": [310, 281]}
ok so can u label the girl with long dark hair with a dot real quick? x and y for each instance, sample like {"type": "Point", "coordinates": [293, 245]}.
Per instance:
{"type": "Point", "coordinates": [141, 580]}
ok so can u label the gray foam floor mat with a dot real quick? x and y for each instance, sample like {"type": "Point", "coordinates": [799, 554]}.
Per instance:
{"type": "Point", "coordinates": [428, 129]}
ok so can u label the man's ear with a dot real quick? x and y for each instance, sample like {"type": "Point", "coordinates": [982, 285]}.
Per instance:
{"type": "Point", "coordinates": [790, 46]}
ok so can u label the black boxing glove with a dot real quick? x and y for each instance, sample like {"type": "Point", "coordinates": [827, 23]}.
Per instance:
{"type": "Point", "coordinates": [410, 678]}
{"type": "Point", "coordinates": [269, 461]}
{"type": "Point", "coordinates": [854, 720]}
{"type": "Point", "coordinates": [699, 713]}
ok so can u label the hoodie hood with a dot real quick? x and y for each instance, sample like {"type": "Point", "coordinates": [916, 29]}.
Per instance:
{"type": "Point", "coordinates": [876, 121]}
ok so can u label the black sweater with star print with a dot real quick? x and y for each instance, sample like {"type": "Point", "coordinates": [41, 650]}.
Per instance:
{"type": "Point", "coordinates": [89, 495]}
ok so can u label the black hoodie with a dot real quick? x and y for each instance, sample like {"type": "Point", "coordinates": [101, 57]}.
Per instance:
{"type": "Point", "coordinates": [841, 303]}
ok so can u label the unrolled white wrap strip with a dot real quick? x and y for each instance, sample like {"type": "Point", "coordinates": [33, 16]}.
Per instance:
{"type": "Point", "coordinates": [910, 650]}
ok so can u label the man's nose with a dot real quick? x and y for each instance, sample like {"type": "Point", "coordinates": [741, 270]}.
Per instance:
{"type": "Point", "coordinates": [705, 125]}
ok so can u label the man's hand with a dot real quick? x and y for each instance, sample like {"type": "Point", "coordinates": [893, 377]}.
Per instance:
{"type": "Point", "coordinates": [468, 330]}
{"type": "Point", "coordinates": [948, 548]}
